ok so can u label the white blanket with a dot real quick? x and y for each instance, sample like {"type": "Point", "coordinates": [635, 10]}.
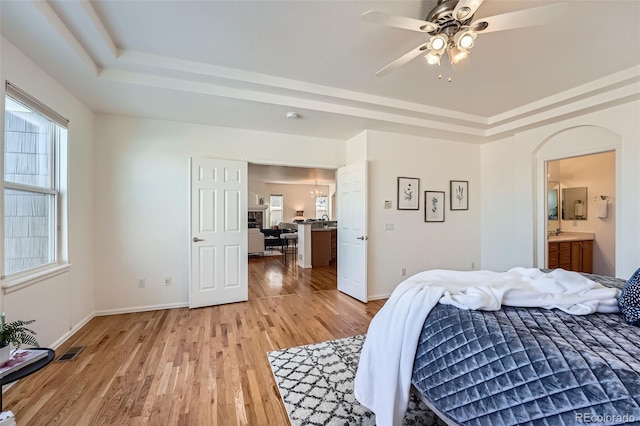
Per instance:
{"type": "Point", "coordinates": [383, 379]}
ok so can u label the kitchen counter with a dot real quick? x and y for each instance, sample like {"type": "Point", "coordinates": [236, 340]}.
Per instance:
{"type": "Point", "coordinates": [571, 236]}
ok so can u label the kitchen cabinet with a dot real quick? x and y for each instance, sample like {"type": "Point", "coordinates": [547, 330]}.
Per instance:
{"type": "Point", "coordinates": [323, 247]}
{"type": "Point", "coordinates": [334, 245]}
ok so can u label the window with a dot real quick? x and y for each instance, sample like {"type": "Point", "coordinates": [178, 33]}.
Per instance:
{"type": "Point", "coordinates": [275, 207]}
{"type": "Point", "coordinates": [33, 138]}
{"type": "Point", "coordinates": [321, 207]}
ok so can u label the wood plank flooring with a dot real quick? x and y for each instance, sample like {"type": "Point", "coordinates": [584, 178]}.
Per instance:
{"type": "Point", "coordinates": [204, 366]}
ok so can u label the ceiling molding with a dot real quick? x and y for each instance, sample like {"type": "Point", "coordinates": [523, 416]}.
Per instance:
{"type": "Point", "coordinates": [606, 83]}
{"type": "Point", "coordinates": [282, 100]}
{"type": "Point", "coordinates": [191, 67]}
{"type": "Point", "coordinates": [602, 99]}
{"type": "Point", "coordinates": [95, 47]}
{"type": "Point", "coordinates": [61, 28]}
{"type": "Point", "coordinates": [99, 27]}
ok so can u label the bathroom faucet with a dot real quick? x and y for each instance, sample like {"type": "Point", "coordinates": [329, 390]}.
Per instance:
{"type": "Point", "coordinates": [323, 217]}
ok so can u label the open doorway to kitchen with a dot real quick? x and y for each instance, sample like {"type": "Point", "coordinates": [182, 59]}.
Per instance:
{"type": "Point", "coordinates": [279, 198]}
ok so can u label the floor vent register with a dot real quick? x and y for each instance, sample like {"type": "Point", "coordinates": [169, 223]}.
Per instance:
{"type": "Point", "coordinates": [70, 354]}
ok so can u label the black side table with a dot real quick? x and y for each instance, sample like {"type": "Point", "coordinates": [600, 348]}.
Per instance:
{"type": "Point", "coordinates": [27, 370]}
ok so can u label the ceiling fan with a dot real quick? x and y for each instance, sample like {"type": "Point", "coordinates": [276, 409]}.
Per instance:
{"type": "Point", "coordinates": [453, 30]}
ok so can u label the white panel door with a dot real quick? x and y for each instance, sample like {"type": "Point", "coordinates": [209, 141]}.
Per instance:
{"type": "Point", "coordinates": [352, 230]}
{"type": "Point", "coordinates": [218, 254]}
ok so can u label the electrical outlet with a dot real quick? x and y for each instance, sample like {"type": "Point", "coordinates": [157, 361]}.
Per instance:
{"type": "Point", "coordinates": [141, 282]}
{"type": "Point", "coordinates": [388, 226]}
{"type": "Point", "coordinates": [403, 272]}
{"type": "Point", "coordinates": [167, 280]}
{"type": "Point", "coordinates": [387, 204]}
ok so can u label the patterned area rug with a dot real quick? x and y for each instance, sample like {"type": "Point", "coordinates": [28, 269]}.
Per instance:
{"type": "Point", "coordinates": [316, 385]}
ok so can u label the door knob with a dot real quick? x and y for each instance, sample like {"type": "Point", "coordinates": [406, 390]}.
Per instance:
{"type": "Point", "coordinates": [196, 239]}
{"type": "Point", "coordinates": [362, 238]}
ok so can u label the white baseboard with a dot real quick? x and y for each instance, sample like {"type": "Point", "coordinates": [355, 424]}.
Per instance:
{"type": "Point", "coordinates": [73, 330]}
{"type": "Point", "coordinates": [55, 345]}
{"type": "Point", "coordinates": [379, 296]}
{"type": "Point", "coordinates": [141, 309]}
{"type": "Point", "coordinates": [89, 317]}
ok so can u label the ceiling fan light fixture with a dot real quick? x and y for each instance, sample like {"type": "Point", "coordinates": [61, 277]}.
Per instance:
{"type": "Point", "coordinates": [438, 43]}
{"type": "Point", "coordinates": [432, 58]}
{"type": "Point", "coordinates": [456, 54]}
{"type": "Point", "coordinates": [465, 39]}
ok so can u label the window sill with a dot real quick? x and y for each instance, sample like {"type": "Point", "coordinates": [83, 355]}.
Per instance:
{"type": "Point", "coordinates": [16, 283]}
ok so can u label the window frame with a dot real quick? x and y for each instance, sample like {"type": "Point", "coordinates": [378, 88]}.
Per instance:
{"type": "Point", "coordinates": [57, 184]}
{"type": "Point", "coordinates": [272, 209]}
{"type": "Point", "coordinates": [326, 206]}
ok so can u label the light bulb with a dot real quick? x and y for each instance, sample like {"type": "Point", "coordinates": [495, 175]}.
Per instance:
{"type": "Point", "coordinates": [456, 54]}
{"type": "Point", "coordinates": [438, 43]}
{"type": "Point", "coordinates": [466, 41]}
{"type": "Point", "coordinates": [432, 58]}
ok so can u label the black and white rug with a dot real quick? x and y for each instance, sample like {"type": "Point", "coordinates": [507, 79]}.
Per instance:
{"type": "Point", "coordinates": [316, 385]}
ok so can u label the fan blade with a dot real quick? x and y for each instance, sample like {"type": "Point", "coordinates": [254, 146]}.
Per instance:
{"type": "Point", "coordinates": [522, 18]}
{"type": "Point", "coordinates": [465, 8]}
{"type": "Point", "coordinates": [375, 17]}
{"type": "Point", "coordinates": [402, 60]}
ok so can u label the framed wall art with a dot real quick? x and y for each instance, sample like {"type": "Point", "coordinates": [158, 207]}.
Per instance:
{"type": "Point", "coordinates": [408, 193]}
{"type": "Point", "coordinates": [459, 192]}
{"type": "Point", "coordinates": [434, 206]}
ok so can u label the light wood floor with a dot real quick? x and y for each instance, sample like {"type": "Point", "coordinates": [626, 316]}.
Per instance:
{"type": "Point", "coordinates": [204, 366]}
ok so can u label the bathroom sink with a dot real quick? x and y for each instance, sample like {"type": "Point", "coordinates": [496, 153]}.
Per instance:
{"type": "Point", "coordinates": [570, 236]}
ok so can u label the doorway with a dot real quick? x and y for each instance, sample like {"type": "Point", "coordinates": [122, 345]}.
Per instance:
{"type": "Point", "coordinates": [298, 188]}
{"type": "Point", "coordinates": [580, 207]}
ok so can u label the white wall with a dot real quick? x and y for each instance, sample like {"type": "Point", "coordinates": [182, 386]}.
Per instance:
{"type": "Point", "coordinates": [415, 244]}
{"type": "Point", "coordinates": [141, 186]}
{"type": "Point", "coordinates": [513, 186]}
{"type": "Point", "coordinates": [64, 302]}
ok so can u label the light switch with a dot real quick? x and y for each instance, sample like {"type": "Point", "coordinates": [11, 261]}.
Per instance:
{"type": "Point", "coordinates": [388, 226]}
{"type": "Point", "coordinates": [387, 204]}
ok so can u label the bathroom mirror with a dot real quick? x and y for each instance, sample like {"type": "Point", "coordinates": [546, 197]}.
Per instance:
{"type": "Point", "coordinates": [552, 200]}
{"type": "Point", "coordinates": [574, 203]}
{"type": "Point", "coordinates": [553, 205]}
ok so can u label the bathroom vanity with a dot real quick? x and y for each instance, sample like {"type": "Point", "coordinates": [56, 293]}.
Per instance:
{"type": "Point", "coordinates": [572, 251]}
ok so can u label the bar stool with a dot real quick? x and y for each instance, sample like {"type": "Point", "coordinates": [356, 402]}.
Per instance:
{"type": "Point", "coordinates": [290, 238]}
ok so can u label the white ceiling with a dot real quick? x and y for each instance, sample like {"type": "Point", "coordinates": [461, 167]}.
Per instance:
{"type": "Point", "coordinates": [246, 63]}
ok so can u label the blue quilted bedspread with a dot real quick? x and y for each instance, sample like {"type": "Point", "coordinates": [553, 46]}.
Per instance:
{"type": "Point", "coordinates": [530, 366]}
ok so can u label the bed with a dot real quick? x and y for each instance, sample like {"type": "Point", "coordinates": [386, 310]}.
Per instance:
{"type": "Point", "coordinates": [516, 365]}
{"type": "Point", "coordinates": [529, 366]}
